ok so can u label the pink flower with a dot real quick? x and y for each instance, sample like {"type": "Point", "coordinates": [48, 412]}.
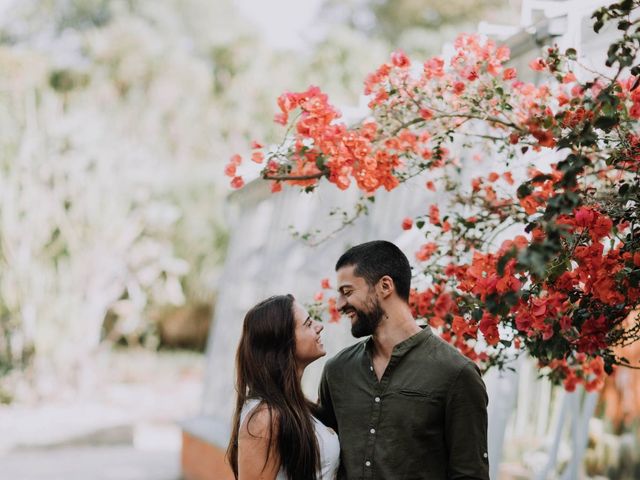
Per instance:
{"type": "Point", "coordinates": [538, 64]}
{"type": "Point", "coordinates": [399, 59]}
{"type": "Point", "coordinates": [407, 223]}
{"type": "Point", "coordinates": [434, 67]}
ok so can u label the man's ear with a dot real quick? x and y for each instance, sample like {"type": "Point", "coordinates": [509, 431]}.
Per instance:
{"type": "Point", "coordinates": [386, 286]}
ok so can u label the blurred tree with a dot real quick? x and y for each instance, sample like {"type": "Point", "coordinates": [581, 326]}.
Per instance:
{"type": "Point", "coordinates": [115, 119]}
{"type": "Point", "coordinates": [418, 26]}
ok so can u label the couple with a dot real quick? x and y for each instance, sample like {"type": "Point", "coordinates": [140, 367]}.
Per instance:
{"type": "Point", "coordinates": [404, 404]}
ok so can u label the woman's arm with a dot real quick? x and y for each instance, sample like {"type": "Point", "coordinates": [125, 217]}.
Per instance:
{"type": "Point", "coordinates": [258, 457]}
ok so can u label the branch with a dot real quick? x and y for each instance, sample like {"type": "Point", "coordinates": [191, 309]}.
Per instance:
{"type": "Point", "coordinates": [294, 177]}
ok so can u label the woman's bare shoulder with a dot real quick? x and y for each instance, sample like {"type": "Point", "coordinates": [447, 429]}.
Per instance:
{"type": "Point", "coordinates": [260, 422]}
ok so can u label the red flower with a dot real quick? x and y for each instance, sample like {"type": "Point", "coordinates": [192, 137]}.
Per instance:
{"type": "Point", "coordinates": [508, 177]}
{"type": "Point", "coordinates": [237, 182]}
{"type": "Point", "coordinates": [434, 214]}
{"type": "Point", "coordinates": [537, 64]}
{"type": "Point", "coordinates": [325, 283]}
{"type": "Point", "coordinates": [333, 311]}
{"type": "Point", "coordinates": [230, 170]}
{"type": "Point", "coordinates": [426, 251]}
{"type": "Point", "coordinates": [545, 138]}
{"type": "Point", "coordinates": [489, 328]}
{"type": "Point", "coordinates": [426, 114]}
{"type": "Point", "coordinates": [276, 187]}
{"type": "Point", "coordinates": [407, 223]}
{"type": "Point", "coordinates": [399, 59]}
{"type": "Point", "coordinates": [509, 74]}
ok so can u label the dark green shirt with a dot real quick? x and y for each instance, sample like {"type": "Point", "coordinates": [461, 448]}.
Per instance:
{"type": "Point", "coordinates": [425, 419]}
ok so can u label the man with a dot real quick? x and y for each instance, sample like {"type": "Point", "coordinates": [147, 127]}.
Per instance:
{"type": "Point", "coordinates": [405, 404]}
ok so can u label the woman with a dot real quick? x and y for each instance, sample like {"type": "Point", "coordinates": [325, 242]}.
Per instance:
{"type": "Point", "coordinates": [275, 435]}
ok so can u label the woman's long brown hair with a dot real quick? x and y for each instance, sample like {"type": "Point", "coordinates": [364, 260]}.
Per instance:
{"type": "Point", "coordinates": [266, 370]}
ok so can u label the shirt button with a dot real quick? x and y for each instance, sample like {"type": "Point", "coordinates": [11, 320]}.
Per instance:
{"type": "Point", "coordinates": [485, 455]}
{"type": "Point", "coordinates": [372, 431]}
{"type": "Point", "coordinates": [377, 399]}
{"type": "Point", "coordinates": [370, 368]}
{"type": "Point", "coordinates": [367, 463]}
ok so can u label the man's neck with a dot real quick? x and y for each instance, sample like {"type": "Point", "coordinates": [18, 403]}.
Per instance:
{"type": "Point", "coordinates": [394, 329]}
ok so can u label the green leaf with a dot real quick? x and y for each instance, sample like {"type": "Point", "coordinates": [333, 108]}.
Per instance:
{"type": "Point", "coordinates": [597, 26]}
{"type": "Point", "coordinates": [524, 190]}
{"type": "Point", "coordinates": [606, 123]}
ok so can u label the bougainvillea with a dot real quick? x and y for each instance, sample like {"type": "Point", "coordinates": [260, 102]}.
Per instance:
{"type": "Point", "coordinates": [565, 286]}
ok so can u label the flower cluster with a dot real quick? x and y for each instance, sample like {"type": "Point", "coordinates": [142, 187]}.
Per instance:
{"type": "Point", "coordinates": [563, 287]}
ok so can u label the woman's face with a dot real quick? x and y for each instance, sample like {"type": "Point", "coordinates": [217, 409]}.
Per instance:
{"type": "Point", "coordinates": [309, 345]}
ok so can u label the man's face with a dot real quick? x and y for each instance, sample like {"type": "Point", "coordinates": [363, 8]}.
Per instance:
{"type": "Point", "coordinates": [357, 300]}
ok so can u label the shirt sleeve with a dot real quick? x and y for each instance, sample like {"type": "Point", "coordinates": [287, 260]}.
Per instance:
{"type": "Point", "coordinates": [466, 426]}
{"type": "Point", "coordinates": [326, 413]}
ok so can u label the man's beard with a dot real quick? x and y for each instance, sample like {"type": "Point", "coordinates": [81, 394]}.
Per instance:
{"type": "Point", "coordinates": [366, 323]}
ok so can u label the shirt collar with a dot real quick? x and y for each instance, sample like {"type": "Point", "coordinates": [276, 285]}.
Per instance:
{"type": "Point", "coordinates": [406, 345]}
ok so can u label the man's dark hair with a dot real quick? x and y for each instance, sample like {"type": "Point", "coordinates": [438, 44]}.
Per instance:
{"type": "Point", "coordinates": [374, 260]}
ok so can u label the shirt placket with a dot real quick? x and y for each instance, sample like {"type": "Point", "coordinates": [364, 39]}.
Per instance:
{"type": "Point", "coordinates": [376, 410]}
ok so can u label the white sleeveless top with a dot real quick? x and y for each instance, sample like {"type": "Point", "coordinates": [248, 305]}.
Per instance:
{"type": "Point", "coordinates": [327, 442]}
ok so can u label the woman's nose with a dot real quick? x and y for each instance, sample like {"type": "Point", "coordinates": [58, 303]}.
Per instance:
{"type": "Point", "coordinates": [319, 327]}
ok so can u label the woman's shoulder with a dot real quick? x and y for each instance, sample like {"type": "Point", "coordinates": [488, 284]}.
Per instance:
{"type": "Point", "coordinates": [257, 419]}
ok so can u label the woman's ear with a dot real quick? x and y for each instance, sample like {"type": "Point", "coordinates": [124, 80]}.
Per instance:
{"type": "Point", "coordinates": [386, 286]}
